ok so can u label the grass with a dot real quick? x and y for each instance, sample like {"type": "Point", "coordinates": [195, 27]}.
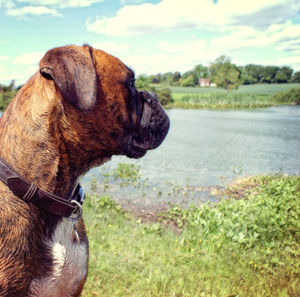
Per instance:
{"type": "Point", "coordinates": [246, 96]}
{"type": "Point", "coordinates": [237, 247]}
{"type": "Point", "coordinates": [265, 89]}
{"type": "Point", "coordinates": [221, 101]}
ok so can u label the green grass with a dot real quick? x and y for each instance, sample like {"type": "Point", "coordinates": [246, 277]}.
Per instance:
{"type": "Point", "coordinates": [291, 95]}
{"type": "Point", "coordinates": [246, 247]}
{"type": "Point", "coordinates": [264, 89]}
{"type": "Point", "coordinates": [221, 100]}
{"type": "Point", "coordinates": [246, 96]}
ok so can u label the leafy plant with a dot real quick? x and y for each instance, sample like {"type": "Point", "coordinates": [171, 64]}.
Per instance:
{"type": "Point", "coordinates": [288, 96]}
{"type": "Point", "coordinates": [128, 173]}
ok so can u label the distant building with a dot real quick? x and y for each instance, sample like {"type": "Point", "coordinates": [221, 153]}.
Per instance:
{"type": "Point", "coordinates": [205, 82]}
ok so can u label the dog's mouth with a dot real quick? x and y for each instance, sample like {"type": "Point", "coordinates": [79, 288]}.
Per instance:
{"type": "Point", "coordinates": [151, 129]}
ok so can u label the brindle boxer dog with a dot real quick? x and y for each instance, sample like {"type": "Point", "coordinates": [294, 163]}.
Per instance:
{"type": "Point", "coordinates": [77, 111]}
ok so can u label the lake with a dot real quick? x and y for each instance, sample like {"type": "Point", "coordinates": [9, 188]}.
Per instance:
{"type": "Point", "coordinates": [206, 149]}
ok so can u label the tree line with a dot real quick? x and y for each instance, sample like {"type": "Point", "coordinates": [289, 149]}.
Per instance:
{"type": "Point", "coordinates": [226, 75]}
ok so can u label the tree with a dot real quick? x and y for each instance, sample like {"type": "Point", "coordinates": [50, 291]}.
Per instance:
{"type": "Point", "coordinates": [176, 78]}
{"type": "Point", "coordinates": [288, 71]}
{"type": "Point", "coordinates": [269, 74]}
{"type": "Point", "coordinates": [143, 84]}
{"type": "Point", "coordinates": [253, 71]}
{"type": "Point", "coordinates": [190, 73]}
{"type": "Point", "coordinates": [281, 77]}
{"type": "Point", "coordinates": [167, 78]}
{"type": "Point", "coordinates": [142, 81]}
{"type": "Point", "coordinates": [201, 71]}
{"type": "Point", "coordinates": [296, 77]}
{"type": "Point", "coordinates": [188, 82]}
{"type": "Point", "coordinates": [225, 74]}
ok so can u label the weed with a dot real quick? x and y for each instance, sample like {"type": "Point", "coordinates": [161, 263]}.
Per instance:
{"type": "Point", "coordinates": [250, 96]}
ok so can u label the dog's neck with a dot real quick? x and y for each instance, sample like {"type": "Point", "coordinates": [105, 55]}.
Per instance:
{"type": "Point", "coordinates": [39, 147]}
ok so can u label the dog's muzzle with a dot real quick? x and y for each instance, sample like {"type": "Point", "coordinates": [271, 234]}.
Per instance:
{"type": "Point", "coordinates": [151, 129]}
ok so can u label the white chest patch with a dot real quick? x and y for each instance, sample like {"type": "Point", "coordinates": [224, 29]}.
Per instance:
{"type": "Point", "coordinates": [69, 265]}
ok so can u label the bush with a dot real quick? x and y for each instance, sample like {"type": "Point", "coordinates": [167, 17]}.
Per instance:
{"type": "Point", "coordinates": [188, 82]}
{"type": "Point", "coordinates": [164, 96]}
{"type": "Point", "coordinates": [289, 96]}
{"type": "Point", "coordinates": [249, 80]}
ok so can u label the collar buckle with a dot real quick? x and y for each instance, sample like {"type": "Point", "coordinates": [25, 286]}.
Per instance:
{"type": "Point", "coordinates": [77, 213]}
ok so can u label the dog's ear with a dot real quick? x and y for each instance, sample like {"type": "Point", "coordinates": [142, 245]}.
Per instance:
{"type": "Point", "coordinates": [74, 73]}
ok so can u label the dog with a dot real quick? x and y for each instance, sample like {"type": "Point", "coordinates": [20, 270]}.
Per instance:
{"type": "Point", "coordinates": [77, 111]}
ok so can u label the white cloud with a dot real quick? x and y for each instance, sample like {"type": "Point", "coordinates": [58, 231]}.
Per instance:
{"type": "Point", "coordinates": [293, 62]}
{"type": "Point", "coordinates": [4, 58]}
{"type": "Point", "coordinates": [111, 47]}
{"type": "Point", "coordinates": [62, 3]}
{"type": "Point", "coordinates": [21, 68]}
{"type": "Point", "coordinates": [148, 18]}
{"type": "Point", "coordinates": [29, 58]}
{"type": "Point", "coordinates": [196, 47]}
{"type": "Point", "coordinates": [7, 76]}
{"type": "Point", "coordinates": [42, 7]}
{"type": "Point", "coordinates": [170, 57]}
{"type": "Point", "coordinates": [131, 1]}
{"type": "Point", "coordinates": [32, 10]}
{"type": "Point", "coordinates": [284, 37]}
{"type": "Point", "coordinates": [182, 15]}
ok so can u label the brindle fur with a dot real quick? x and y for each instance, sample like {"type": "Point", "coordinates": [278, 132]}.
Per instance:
{"type": "Point", "coordinates": [51, 141]}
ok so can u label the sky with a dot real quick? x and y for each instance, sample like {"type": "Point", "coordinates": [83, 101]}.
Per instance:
{"type": "Point", "coordinates": [150, 36]}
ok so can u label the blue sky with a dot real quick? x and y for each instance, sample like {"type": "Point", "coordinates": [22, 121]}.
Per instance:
{"type": "Point", "coordinates": [150, 36]}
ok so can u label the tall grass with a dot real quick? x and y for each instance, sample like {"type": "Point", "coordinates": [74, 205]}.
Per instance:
{"type": "Point", "coordinates": [247, 247]}
{"type": "Point", "coordinates": [221, 100]}
{"type": "Point", "coordinates": [246, 96]}
{"type": "Point", "coordinates": [266, 89]}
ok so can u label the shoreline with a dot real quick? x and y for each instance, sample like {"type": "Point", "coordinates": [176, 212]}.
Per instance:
{"type": "Point", "coordinates": [240, 188]}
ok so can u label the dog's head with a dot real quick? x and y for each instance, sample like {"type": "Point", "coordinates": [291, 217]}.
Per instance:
{"type": "Point", "coordinates": [105, 112]}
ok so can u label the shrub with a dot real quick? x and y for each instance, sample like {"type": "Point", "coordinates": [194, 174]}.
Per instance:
{"type": "Point", "coordinates": [289, 96]}
{"type": "Point", "coordinates": [164, 96]}
{"type": "Point", "coordinates": [188, 82]}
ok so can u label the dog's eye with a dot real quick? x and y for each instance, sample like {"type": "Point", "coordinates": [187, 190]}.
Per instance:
{"type": "Point", "coordinates": [131, 84]}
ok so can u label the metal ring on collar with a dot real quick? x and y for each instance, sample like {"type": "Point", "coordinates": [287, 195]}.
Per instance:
{"type": "Point", "coordinates": [78, 213]}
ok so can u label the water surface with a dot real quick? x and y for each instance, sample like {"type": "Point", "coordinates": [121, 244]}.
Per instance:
{"type": "Point", "coordinates": [207, 148]}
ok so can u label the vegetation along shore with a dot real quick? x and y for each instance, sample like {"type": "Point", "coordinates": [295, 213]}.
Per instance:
{"type": "Point", "coordinates": [224, 85]}
{"type": "Point", "coordinates": [250, 96]}
{"type": "Point", "coordinates": [245, 245]}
